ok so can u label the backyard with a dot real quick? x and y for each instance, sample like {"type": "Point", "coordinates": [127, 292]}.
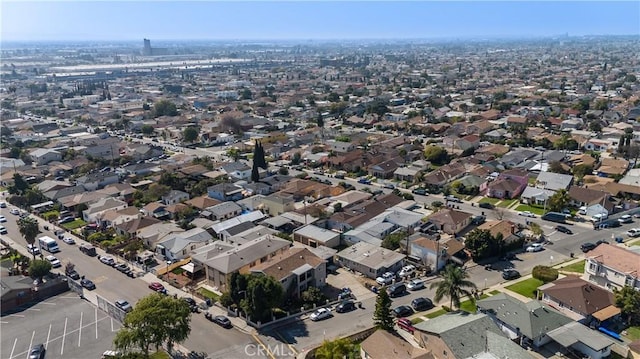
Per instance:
{"type": "Point", "coordinates": [527, 287]}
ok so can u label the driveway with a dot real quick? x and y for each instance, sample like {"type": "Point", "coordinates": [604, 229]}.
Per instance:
{"type": "Point", "coordinates": [344, 278]}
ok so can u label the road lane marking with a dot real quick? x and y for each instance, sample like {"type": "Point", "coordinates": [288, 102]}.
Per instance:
{"type": "Point", "coordinates": [16, 315]}
{"type": "Point", "coordinates": [46, 345]}
{"type": "Point", "coordinates": [80, 330]}
{"type": "Point", "coordinates": [266, 349]}
{"type": "Point", "coordinates": [112, 324]}
{"type": "Point", "coordinates": [31, 343]}
{"type": "Point", "coordinates": [64, 333]}
{"type": "Point", "coordinates": [47, 303]}
{"type": "Point", "coordinates": [13, 348]}
{"type": "Point", "coordinates": [34, 309]}
{"type": "Point", "coordinates": [96, 309]}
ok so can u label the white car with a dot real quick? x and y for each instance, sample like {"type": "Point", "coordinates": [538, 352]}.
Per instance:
{"type": "Point", "coordinates": [3, 219]}
{"type": "Point", "coordinates": [633, 232]}
{"type": "Point", "coordinates": [14, 211]}
{"type": "Point", "coordinates": [55, 262]}
{"type": "Point", "coordinates": [3, 204]}
{"type": "Point", "coordinates": [108, 260]}
{"type": "Point", "coordinates": [535, 247]}
{"type": "Point", "coordinates": [625, 219]}
{"type": "Point", "coordinates": [415, 284]}
{"type": "Point", "coordinates": [407, 270]}
{"type": "Point", "coordinates": [320, 314]}
{"type": "Point", "coordinates": [33, 249]}
{"type": "Point", "coordinates": [527, 214]}
{"type": "Point", "coordinates": [386, 278]}
{"type": "Point", "coordinates": [68, 240]}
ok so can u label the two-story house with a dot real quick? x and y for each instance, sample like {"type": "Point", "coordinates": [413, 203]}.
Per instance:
{"type": "Point", "coordinates": [237, 170]}
{"type": "Point", "coordinates": [450, 221]}
{"type": "Point", "coordinates": [613, 267]}
{"type": "Point", "coordinates": [179, 245]}
{"type": "Point", "coordinates": [225, 192]}
{"type": "Point", "coordinates": [42, 156]}
{"type": "Point", "coordinates": [175, 196]}
{"type": "Point", "coordinates": [95, 209]}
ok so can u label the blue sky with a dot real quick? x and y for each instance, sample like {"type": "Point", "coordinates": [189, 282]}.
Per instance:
{"type": "Point", "coordinates": [183, 20]}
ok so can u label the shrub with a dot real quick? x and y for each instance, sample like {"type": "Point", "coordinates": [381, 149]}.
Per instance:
{"type": "Point", "coordinates": [225, 299]}
{"type": "Point", "coordinates": [446, 308]}
{"type": "Point", "coordinates": [544, 273]}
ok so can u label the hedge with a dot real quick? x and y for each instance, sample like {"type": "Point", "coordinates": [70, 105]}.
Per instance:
{"type": "Point", "coordinates": [544, 273]}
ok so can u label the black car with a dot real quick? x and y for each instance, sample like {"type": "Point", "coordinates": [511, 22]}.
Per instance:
{"type": "Point", "coordinates": [420, 191]}
{"type": "Point", "coordinates": [37, 352]}
{"type": "Point", "coordinates": [402, 311]}
{"type": "Point", "coordinates": [602, 241]}
{"type": "Point", "coordinates": [86, 283]}
{"type": "Point", "coordinates": [563, 229]}
{"type": "Point", "coordinates": [420, 304]}
{"type": "Point", "coordinates": [222, 321]}
{"type": "Point", "coordinates": [346, 306]}
{"type": "Point", "coordinates": [509, 274]}
{"type": "Point", "coordinates": [73, 274]}
{"type": "Point", "coordinates": [485, 205]}
{"type": "Point", "coordinates": [121, 267]}
{"type": "Point", "coordinates": [585, 247]}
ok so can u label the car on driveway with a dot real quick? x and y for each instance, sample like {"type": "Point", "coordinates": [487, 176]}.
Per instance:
{"type": "Point", "coordinates": [407, 270]}
{"type": "Point", "coordinates": [37, 351]}
{"type": "Point", "coordinates": [157, 287]}
{"type": "Point", "coordinates": [386, 278]}
{"type": "Point", "coordinates": [415, 284]}
{"type": "Point", "coordinates": [405, 324]}
{"type": "Point", "coordinates": [68, 240]}
{"type": "Point", "coordinates": [346, 306]}
{"type": "Point", "coordinates": [320, 314]}
{"type": "Point", "coordinates": [420, 304]}
{"type": "Point", "coordinates": [509, 274]}
{"type": "Point", "coordinates": [535, 247]}
{"type": "Point", "coordinates": [527, 214]}
{"type": "Point", "coordinates": [124, 305]}
{"type": "Point", "coordinates": [88, 284]}
{"type": "Point", "coordinates": [402, 311]}
{"type": "Point", "coordinates": [55, 262]}
{"type": "Point", "coordinates": [563, 229]}
{"type": "Point", "coordinates": [585, 247]}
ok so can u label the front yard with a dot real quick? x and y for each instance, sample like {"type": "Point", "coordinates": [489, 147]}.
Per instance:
{"type": "Point", "coordinates": [75, 224]}
{"type": "Point", "coordinates": [633, 333]}
{"type": "Point", "coordinates": [507, 203]}
{"type": "Point", "coordinates": [489, 200]}
{"type": "Point", "coordinates": [535, 210]}
{"type": "Point", "coordinates": [577, 267]}
{"type": "Point", "coordinates": [527, 287]}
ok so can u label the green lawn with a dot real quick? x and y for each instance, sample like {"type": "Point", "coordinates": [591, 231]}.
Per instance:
{"type": "Point", "coordinates": [437, 313]}
{"type": "Point", "coordinates": [470, 307]}
{"type": "Point", "coordinates": [46, 215]}
{"type": "Point", "coordinates": [577, 267]}
{"type": "Point", "coordinates": [208, 294]}
{"type": "Point", "coordinates": [633, 333]}
{"type": "Point", "coordinates": [489, 200]}
{"type": "Point", "coordinates": [507, 203]}
{"type": "Point", "coordinates": [494, 292]}
{"type": "Point", "coordinates": [416, 320]}
{"type": "Point", "coordinates": [634, 243]}
{"type": "Point", "coordinates": [526, 287]}
{"type": "Point", "coordinates": [75, 224]}
{"type": "Point", "coordinates": [526, 207]}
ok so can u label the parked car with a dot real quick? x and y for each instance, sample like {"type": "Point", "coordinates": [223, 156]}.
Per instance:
{"type": "Point", "coordinates": [419, 191]}
{"type": "Point", "coordinates": [14, 211]}
{"type": "Point", "coordinates": [625, 219]}
{"type": "Point", "coordinates": [88, 250]}
{"type": "Point", "coordinates": [66, 220]}
{"type": "Point", "coordinates": [509, 274]}
{"type": "Point", "coordinates": [421, 303]}
{"type": "Point", "coordinates": [563, 229]}
{"type": "Point", "coordinates": [415, 284]}
{"type": "Point", "coordinates": [68, 240]}
{"type": "Point", "coordinates": [485, 205]}
{"type": "Point", "coordinates": [33, 249]}
{"type": "Point", "coordinates": [222, 321]}
{"type": "Point", "coordinates": [88, 284]}
{"type": "Point", "coordinates": [3, 230]}
{"type": "Point", "coordinates": [527, 214]}
{"type": "Point", "coordinates": [389, 186]}
{"type": "Point", "coordinates": [478, 220]}
{"type": "Point", "coordinates": [3, 204]}
{"type": "Point", "coordinates": [633, 232]}
{"type": "Point", "coordinates": [535, 247]}
{"type": "Point", "coordinates": [346, 306]}
{"type": "Point", "coordinates": [397, 290]}
{"type": "Point", "coordinates": [386, 278]}
{"type": "Point", "coordinates": [402, 311]}
{"type": "Point", "coordinates": [55, 262]}
{"type": "Point", "coordinates": [407, 270]}
{"type": "Point", "coordinates": [405, 324]}
{"type": "Point", "coordinates": [37, 351]}
{"type": "Point", "coordinates": [601, 241]}
{"type": "Point", "coordinates": [3, 219]}
{"type": "Point", "coordinates": [364, 180]}
{"type": "Point", "coordinates": [124, 305]}
{"type": "Point", "coordinates": [320, 314]}
{"type": "Point", "coordinates": [107, 260]}
{"type": "Point", "coordinates": [73, 274]}
{"type": "Point", "coordinates": [585, 247]}
{"type": "Point", "coordinates": [157, 287]}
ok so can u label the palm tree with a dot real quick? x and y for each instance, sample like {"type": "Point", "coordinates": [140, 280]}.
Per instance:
{"type": "Point", "coordinates": [454, 286]}
{"type": "Point", "coordinates": [29, 230]}
{"type": "Point", "coordinates": [336, 349]}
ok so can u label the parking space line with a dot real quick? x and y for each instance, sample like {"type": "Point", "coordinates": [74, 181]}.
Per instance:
{"type": "Point", "coordinates": [64, 333]}
{"type": "Point", "coordinates": [31, 343]}
{"type": "Point", "coordinates": [96, 309]}
{"type": "Point", "coordinates": [3, 322]}
{"type": "Point", "coordinates": [46, 345]}
{"type": "Point", "coordinates": [80, 330]}
{"type": "Point", "coordinates": [34, 309]}
{"type": "Point", "coordinates": [48, 303]}
{"type": "Point", "coordinates": [16, 315]}
{"type": "Point", "coordinates": [13, 348]}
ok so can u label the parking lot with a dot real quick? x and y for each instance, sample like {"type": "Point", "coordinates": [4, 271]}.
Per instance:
{"type": "Point", "coordinates": [68, 326]}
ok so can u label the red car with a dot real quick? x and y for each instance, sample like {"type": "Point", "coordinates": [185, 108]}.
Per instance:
{"type": "Point", "coordinates": [155, 286]}
{"type": "Point", "coordinates": [405, 324]}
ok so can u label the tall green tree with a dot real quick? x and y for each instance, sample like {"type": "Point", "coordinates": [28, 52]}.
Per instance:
{"type": "Point", "coordinates": [436, 154]}
{"type": "Point", "coordinates": [558, 201]}
{"type": "Point", "coordinates": [264, 293]}
{"type": "Point", "coordinates": [382, 315]}
{"type": "Point", "coordinates": [164, 108]}
{"type": "Point", "coordinates": [336, 349]}
{"type": "Point", "coordinates": [146, 129]}
{"type": "Point", "coordinates": [628, 300]}
{"type": "Point", "coordinates": [38, 268]}
{"type": "Point", "coordinates": [156, 319]}
{"type": "Point", "coordinates": [190, 134]}
{"type": "Point", "coordinates": [20, 186]}
{"type": "Point", "coordinates": [255, 174]}
{"type": "Point", "coordinates": [455, 285]}
{"type": "Point", "coordinates": [29, 230]}
{"type": "Point", "coordinates": [481, 244]}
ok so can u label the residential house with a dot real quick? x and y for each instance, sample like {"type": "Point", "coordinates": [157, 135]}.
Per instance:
{"type": "Point", "coordinates": [276, 182]}
{"type": "Point", "coordinates": [595, 144]}
{"type": "Point", "coordinates": [384, 169]}
{"type": "Point", "coordinates": [444, 174]}
{"type": "Point", "coordinates": [95, 210]}
{"type": "Point", "coordinates": [277, 203]}
{"type": "Point", "coordinates": [383, 345]}
{"type": "Point", "coordinates": [151, 235]}
{"type": "Point", "coordinates": [93, 181]}
{"type": "Point", "coordinates": [611, 167]}
{"type": "Point", "coordinates": [225, 192]}
{"type": "Point", "coordinates": [202, 202]}
{"type": "Point", "coordinates": [450, 221]}
{"type": "Point", "coordinates": [174, 196]}
{"type": "Point", "coordinates": [580, 300]}
{"type": "Point", "coordinates": [42, 156]}
{"type": "Point", "coordinates": [536, 196]}
{"type": "Point", "coordinates": [237, 170]}
{"type": "Point", "coordinates": [370, 260]}
{"type": "Point", "coordinates": [461, 335]}
{"type": "Point", "coordinates": [156, 210]}
{"type": "Point", "coordinates": [112, 218]}
{"type": "Point", "coordinates": [351, 198]}
{"type": "Point", "coordinates": [582, 196]}
{"type": "Point", "coordinates": [315, 236]}
{"type": "Point", "coordinates": [297, 269]}
{"type": "Point", "coordinates": [527, 323]}
{"type": "Point", "coordinates": [220, 260]}
{"type": "Point", "coordinates": [224, 210]}
{"type": "Point", "coordinates": [435, 254]}
{"type": "Point", "coordinates": [220, 227]}
{"type": "Point", "coordinates": [577, 338]}
{"type": "Point", "coordinates": [610, 266]}
{"type": "Point", "coordinates": [179, 245]}
{"type": "Point", "coordinates": [553, 181]}
{"type": "Point", "coordinates": [517, 156]}
{"type": "Point", "coordinates": [339, 146]}
{"type": "Point", "coordinates": [132, 227]}
{"type": "Point", "coordinates": [507, 229]}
